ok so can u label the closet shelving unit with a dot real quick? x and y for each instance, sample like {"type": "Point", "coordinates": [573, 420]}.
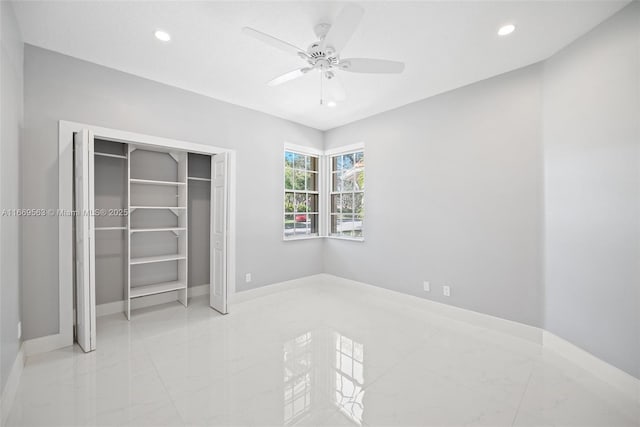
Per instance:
{"type": "Point", "coordinates": [157, 224]}
{"type": "Point", "coordinates": [166, 230]}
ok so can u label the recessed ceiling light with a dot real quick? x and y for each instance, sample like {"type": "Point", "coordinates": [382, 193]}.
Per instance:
{"type": "Point", "coordinates": [163, 36]}
{"type": "Point", "coordinates": [506, 29]}
{"type": "Point", "coordinates": [331, 104]}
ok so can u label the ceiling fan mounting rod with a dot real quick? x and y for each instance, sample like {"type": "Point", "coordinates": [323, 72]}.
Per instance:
{"type": "Point", "coordinates": [321, 30]}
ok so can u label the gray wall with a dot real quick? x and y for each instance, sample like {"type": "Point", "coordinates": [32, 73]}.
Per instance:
{"type": "Point", "coordinates": [592, 191]}
{"type": "Point", "coordinates": [11, 63]}
{"type": "Point", "coordinates": [60, 87]}
{"type": "Point", "coordinates": [454, 196]}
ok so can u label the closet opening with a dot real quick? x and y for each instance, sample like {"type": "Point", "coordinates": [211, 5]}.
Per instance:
{"type": "Point", "coordinates": [150, 226]}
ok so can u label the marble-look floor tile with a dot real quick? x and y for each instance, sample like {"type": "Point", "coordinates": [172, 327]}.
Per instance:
{"type": "Point", "coordinates": [401, 398]}
{"type": "Point", "coordinates": [317, 355]}
{"type": "Point", "coordinates": [555, 397]}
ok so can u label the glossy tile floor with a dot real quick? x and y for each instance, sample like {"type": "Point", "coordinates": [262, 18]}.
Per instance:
{"type": "Point", "coordinates": [318, 355]}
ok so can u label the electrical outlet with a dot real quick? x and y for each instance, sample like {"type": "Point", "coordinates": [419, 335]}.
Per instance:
{"type": "Point", "coordinates": [247, 277]}
{"type": "Point", "coordinates": [446, 291]}
{"type": "Point", "coordinates": [19, 330]}
{"type": "Point", "coordinates": [426, 286]}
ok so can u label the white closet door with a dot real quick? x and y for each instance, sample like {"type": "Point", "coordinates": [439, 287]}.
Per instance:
{"type": "Point", "coordinates": [219, 220]}
{"type": "Point", "coordinates": [85, 242]}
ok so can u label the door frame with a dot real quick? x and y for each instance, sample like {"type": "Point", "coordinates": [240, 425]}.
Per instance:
{"type": "Point", "coordinates": [66, 129]}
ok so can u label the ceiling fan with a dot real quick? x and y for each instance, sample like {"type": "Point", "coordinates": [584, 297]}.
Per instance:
{"type": "Point", "coordinates": [323, 55]}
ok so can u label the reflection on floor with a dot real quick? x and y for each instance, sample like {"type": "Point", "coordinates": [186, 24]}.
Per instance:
{"type": "Point", "coordinates": [322, 354]}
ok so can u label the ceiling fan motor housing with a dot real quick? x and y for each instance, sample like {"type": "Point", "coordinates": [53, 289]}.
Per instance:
{"type": "Point", "coordinates": [323, 59]}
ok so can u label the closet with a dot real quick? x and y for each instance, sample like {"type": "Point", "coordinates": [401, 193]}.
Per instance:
{"type": "Point", "coordinates": [149, 219]}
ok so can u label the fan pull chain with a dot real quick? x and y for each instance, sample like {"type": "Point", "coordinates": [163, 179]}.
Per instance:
{"type": "Point", "coordinates": [321, 90]}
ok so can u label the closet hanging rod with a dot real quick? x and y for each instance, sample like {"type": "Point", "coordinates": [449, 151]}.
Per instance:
{"type": "Point", "coordinates": [157, 207]}
{"type": "Point", "coordinates": [115, 156]}
{"type": "Point", "coordinates": [154, 182]}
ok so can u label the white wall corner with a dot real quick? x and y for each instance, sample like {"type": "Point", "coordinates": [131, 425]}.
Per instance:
{"type": "Point", "coordinates": [626, 383]}
{"type": "Point", "coordinates": [11, 387]}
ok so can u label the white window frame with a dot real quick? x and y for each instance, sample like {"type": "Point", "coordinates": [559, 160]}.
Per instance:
{"type": "Point", "coordinates": [328, 154]}
{"type": "Point", "coordinates": [307, 151]}
{"type": "Point", "coordinates": [324, 188]}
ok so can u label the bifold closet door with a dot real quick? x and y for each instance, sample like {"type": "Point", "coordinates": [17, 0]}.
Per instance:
{"type": "Point", "coordinates": [219, 220]}
{"type": "Point", "coordinates": [85, 241]}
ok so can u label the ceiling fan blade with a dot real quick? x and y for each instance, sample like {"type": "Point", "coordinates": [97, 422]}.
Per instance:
{"type": "Point", "coordinates": [291, 75]}
{"type": "Point", "coordinates": [343, 27]}
{"type": "Point", "coordinates": [273, 41]}
{"type": "Point", "coordinates": [334, 90]}
{"type": "Point", "coordinates": [368, 65]}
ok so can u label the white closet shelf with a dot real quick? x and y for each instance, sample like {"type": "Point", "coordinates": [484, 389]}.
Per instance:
{"type": "Point", "coordinates": [195, 178]}
{"type": "Point", "coordinates": [109, 228]}
{"type": "Point", "coordinates": [157, 258]}
{"type": "Point", "coordinates": [156, 288]}
{"type": "Point", "coordinates": [142, 230]}
{"type": "Point", "coordinates": [115, 156]}
{"type": "Point", "coordinates": [153, 182]}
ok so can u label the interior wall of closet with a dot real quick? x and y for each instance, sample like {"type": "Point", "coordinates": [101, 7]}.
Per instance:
{"type": "Point", "coordinates": [199, 216]}
{"type": "Point", "coordinates": [111, 192]}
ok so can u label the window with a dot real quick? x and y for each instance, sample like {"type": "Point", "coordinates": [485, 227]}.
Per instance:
{"type": "Point", "coordinates": [323, 192]}
{"type": "Point", "coordinates": [300, 194]}
{"type": "Point", "coordinates": [347, 194]}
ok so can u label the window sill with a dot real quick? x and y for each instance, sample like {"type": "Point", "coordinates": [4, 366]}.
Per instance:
{"type": "Point", "coordinates": [351, 239]}
{"type": "Point", "coordinates": [293, 239]}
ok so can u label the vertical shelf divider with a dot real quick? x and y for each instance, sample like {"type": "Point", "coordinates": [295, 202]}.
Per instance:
{"type": "Point", "coordinates": [128, 236]}
{"type": "Point", "coordinates": [183, 218]}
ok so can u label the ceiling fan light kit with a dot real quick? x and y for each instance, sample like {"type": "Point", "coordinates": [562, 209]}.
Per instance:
{"type": "Point", "coordinates": [324, 55]}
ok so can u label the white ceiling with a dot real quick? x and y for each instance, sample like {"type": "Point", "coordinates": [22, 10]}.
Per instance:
{"type": "Point", "coordinates": [445, 44]}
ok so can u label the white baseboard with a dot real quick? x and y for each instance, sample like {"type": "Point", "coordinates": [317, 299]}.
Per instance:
{"type": "Point", "coordinates": [509, 327]}
{"type": "Point", "coordinates": [11, 387]}
{"type": "Point", "coordinates": [148, 301]}
{"type": "Point", "coordinates": [262, 291]}
{"type": "Point", "coordinates": [623, 381]}
{"type": "Point", "coordinates": [109, 308]}
{"type": "Point", "coordinates": [46, 343]}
